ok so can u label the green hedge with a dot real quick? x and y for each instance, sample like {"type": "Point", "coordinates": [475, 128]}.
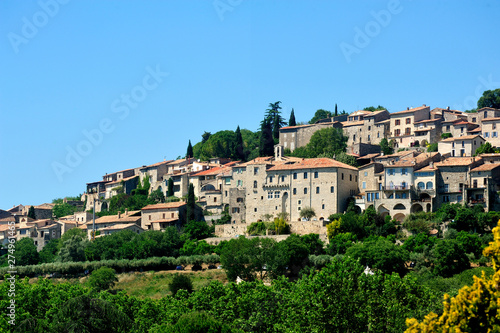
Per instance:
{"type": "Point", "coordinates": [121, 265]}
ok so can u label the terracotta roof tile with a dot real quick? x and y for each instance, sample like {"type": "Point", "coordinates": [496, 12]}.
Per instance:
{"type": "Point", "coordinates": [426, 121]}
{"type": "Point", "coordinates": [491, 119]}
{"type": "Point", "coordinates": [298, 126]}
{"type": "Point", "coordinates": [114, 218]}
{"type": "Point", "coordinates": [313, 163]}
{"type": "Point", "coordinates": [486, 167]}
{"type": "Point", "coordinates": [368, 156]}
{"type": "Point", "coordinates": [163, 221]}
{"type": "Point", "coordinates": [119, 227]}
{"type": "Point", "coordinates": [459, 138]}
{"type": "Point", "coordinates": [410, 110]}
{"type": "Point", "coordinates": [166, 205]}
{"type": "Point", "coordinates": [352, 123]}
{"type": "Point", "coordinates": [457, 161]}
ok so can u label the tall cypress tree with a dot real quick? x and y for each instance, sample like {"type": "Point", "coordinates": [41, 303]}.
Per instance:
{"type": "Point", "coordinates": [190, 204]}
{"type": "Point", "coordinates": [239, 152]}
{"type": "Point", "coordinates": [170, 188]}
{"type": "Point", "coordinates": [292, 121]}
{"type": "Point", "coordinates": [336, 112]}
{"type": "Point", "coordinates": [31, 212]}
{"type": "Point", "coordinates": [189, 152]}
{"type": "Point", "coordinates": [266, 145]}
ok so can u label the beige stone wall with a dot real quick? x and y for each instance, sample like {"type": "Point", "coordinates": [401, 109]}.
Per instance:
{"type": "Point", "coordinates": [489, 129]}
{"type": "Point", "coordinates": [301, 228]}
{"type": "Point", "coordinates": [147, 216]}
{"type": "Point", "coordinates": [354, 134]}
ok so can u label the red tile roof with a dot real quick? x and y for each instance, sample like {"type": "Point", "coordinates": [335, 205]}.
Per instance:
{"type": "Point", "coordinates": [465, 137]}
{"type": "Point", "coordinates": [491, 119]}
{"type": "Point", "coordinates": [166, 205]}
{"type": "Point", "coordinates": [298, 126]}
{"type": "Point", "coordinates": [352, 123]}
{"type": "Point", "coordinates": [312, 163]}
{"type": "Point", "coordinates": [410, 110]}
{"type": "Point", "coordinates": [486, 167]}
{"type": "Point", "coordinates": [457, 161]}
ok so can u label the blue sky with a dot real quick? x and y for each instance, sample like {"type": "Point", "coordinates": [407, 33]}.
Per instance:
{"type": "Point", "coordinates": [93, 87]}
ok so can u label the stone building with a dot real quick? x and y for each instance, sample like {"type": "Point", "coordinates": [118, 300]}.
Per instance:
{"type": "Point", "coordinates": [292, 137]}
{"type": "Point", "coordinates": [402, 124]}
{"type": "Point", "coordinates": [462, 146]}
{"type": "Point", "coordinates": [163, 215]}
{"type": "Point", "coordinates": [490, 128]}
{"type": "Point", "coordinates": [132, 217]}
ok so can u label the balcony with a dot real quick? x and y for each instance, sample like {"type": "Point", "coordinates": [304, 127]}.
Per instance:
{"type": "Point", "coordinates": [397, 187]}
{"type": "Point", "coordinates": [477, 201]}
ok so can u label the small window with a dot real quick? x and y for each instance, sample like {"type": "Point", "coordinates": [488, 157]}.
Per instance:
{"type": "Point", "coordinates": [150, 217]}
{"type": "Point", "coordinates": [305, 175]}
{"type": "Point", "coordinates": [350, 178]}
{"type": "Point", "coordinates": [366, 174]}
{"type": "Point", "coordinates": [239, 199]}
{"type": "Point", "coordinates": [316, 174]}
{"type": "Point", "coordinates": [404, 171]}
{"type": "Point", "coordinates": [299, 202]}
{"type": "Point", "coordinates": [305, 190]}
{"type": "Point", "coordinates": [317, 190]}
{"type": "Point", "coordinates": [342, 176]}
{"type": "Point", "coordinates": [270, 195]}
{"type": "Point", "coordinates": [215, 199]}
{"type": "Point", "coordinates": [276, 194]}
{"type": "Point", "coordinates": [164, 215]}
{"type": "Point", "coordinates": [294, 191]}
{"type": "Point", "coordinates": [255, 209]}
{"type": "Point", "coordinates": [398, 122]}
{"type": "Point", "coordinates": [294, 175]}
{"type": "Point", "coordinates": [408, 120]}
{"type": "Point", "coordinates": [323, 206]}
{"type": "Point", "coordinates": [255, 170]}
{"type": "Point", "coordinates": [363, 186]}
{"type": "Point", "coordinates": [282, 178]}
{"type": "Point", "coordinates": [270, 179]}
{"type": "Point", "coordinates": [254, 184]}
{"type": "Point", "coordinates": [331, 189]}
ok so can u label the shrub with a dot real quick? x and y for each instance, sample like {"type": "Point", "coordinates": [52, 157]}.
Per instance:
{"type": "Point", "coordinates": [180, 281]}
{"type": "Point", "coordinates": [102, 278]}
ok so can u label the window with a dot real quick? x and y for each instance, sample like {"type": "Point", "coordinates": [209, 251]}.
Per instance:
{"type": "Point", "coordinates": [446, 198]}
{"type": "Point", "coordinates": [354, 137]}
{"type": "Point", "coordinates": [447, 128]}
{"type": "Point", "coordinates": [493, 134]}
{"type": "Point", "coordinates": [163, 215]}
{"type": "Point", "coordinates": [486, 134]}
{"type": "Point", "coordinates": [150, 217]}
{"type": "Point", "coordinates": [447, 187]}
{"type": "Point", "coordinates": [305, 175]}
{"type": "Point", "coordinates": [315, 174]}
{"type": "Point", "coordinates": [403, 195]}
{"type": "Point", "coordinates": [404, 171]}
{"type": "Point", "coordinates": [322, 206]}
{"type": "Point", "coordinates": [429, 185]}
{"type": "Point", "coordinates": [294, 175]}
{"type": "Point", "coordinates": [276, 194]}
{"type": "Point", "coordinates": [368, 137]}
{"type": "Point", "coordinates": [239, 200]}
{"type": "Point", "coordinates": [369, 128]}
{"type": "Point", "coordinates": [282, 179]}
{"type": "Point", "coordinates": [331, 189]}
{"type": "Point", "coordinates": [215, 199]}
{"type": "Point", "coordinates": [317, 190]}
{"type": "Point", "coordinates": [366, 174]}
{"type": "Point", "coordinates": [254, 184]}
{"type": "Point", "coordinates": [255, 209]}
{"type": "Point", "coordinates": [363, 186]}
{"type": "Point", "coordinates": [408, 120]}
{"type": "Point", "coordinates": [225, 193]}
{"type": "Point", "coordinates": [240, 183]}
{"type": "Point", "coordinates": [398, 122]}
{"type": "Point", "coordinates": [294, 191]}
{"type": "Point", "coordinates": [397, 132]}
{"type": "Point", "coordinates": [236, 210]}
{"type": "Point", "coordinates": [378, 134]}
{"type": "Point", "coordinates": [350, 178]}
{"type": "Point", "coordinates": [270, 195]}
{"type": "Point", "coordinates": [299, 202]}
{"type": "Point", "coordinates": [172, 215]}
{"type": "Point", "coordinates": [255, 170]}
{"type": "Point", "coordinates": [270, 179]}
{"type": "Point", "coordinates": [342, 176]}
{"type": "Point", "coordinates": [228, 181]}
{"type": "Point", "coordinates": [421, 185]}
{"type": "Point", "coordinates": [390, 172]}
{"type": "Point", "coordinates": [461, 129]}
{"type": "Point", "coordinates": [407, 131]}
{"type": "Point", "coordinates": [305, 190]}
{"type": "Point", "coordinates": [463, 143]}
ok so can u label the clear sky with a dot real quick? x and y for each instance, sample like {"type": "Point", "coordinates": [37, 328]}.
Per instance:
{"type": "Point", "coordinates": [94, 87]}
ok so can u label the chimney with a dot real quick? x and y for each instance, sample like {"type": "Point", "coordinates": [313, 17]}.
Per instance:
{"type": "Point", "coordinates": [448, 108]}
{"type": "Point", "coordinates": [126, 211]}
{"type": "Point", "coordinates": [407, 108]}
{"type": "Point", "coordinates": [119, 214]}
{"type": "Point", "coordinates": [425, 105]}
{"type": "Point", "coordinates": [431, 164]}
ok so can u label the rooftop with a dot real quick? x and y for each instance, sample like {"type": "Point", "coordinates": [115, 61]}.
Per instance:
{"type": "Point", "coordinates": [119, 227]}
{"type": "Point", "coordinates": [486, 167]}
{"type": "Point", "coordinates": [465, 137]}
{"type": "Point", "coordinates": [457, 161]}
{"type": "Point", "coordinates": [410, 110]}
{"type": "Point", "coordinates": [166, 205]}
{"type": "Point", "coordinates": [313, 163]}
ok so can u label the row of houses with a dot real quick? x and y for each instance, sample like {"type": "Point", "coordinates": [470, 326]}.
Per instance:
{"type": "Point", "coordinates": [414, 127]}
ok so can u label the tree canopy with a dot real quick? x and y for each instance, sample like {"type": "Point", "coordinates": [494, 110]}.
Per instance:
{"type": "Point", "coordinates": [320, 114]}
{"type": "Point", "coordinates": [490, 98]}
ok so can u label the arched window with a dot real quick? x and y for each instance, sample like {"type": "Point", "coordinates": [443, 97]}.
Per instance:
{"type": "Point", "coordinates": [421, 185]}
{"type": "Point", "coordinates": [429, 185]}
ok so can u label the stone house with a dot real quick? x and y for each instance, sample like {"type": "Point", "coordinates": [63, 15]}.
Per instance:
{"type": "Point", "coordinates": [155, 172]}
{"type": "Point", "coordinates": [124, 185]}
{"type": "Point", "coordinates": [483, 184]}
{"type": "Point", "coordinates": [369, 184]}
{"type": "Point", "coordinates": [402, 124]}
{"type": "Point", "coordinates": [120, 227]}
{"type": "Point", "coordinates": [462, 146]}
{"type": "Point", "coordinates": [43, 211]}
{"type": "Point", "coordinates": [425, 180]}
{"type": "Point", "coordinates": [452, 178]}
{"type": "Point", "coordinates": [375, 127]}
{"type": "Point", "coordinates": [163, 215]}
{"type": "Point", "coordinates": [292, 137]}
{"type": "Point", "coordinates": [490, 128]}
{"type": "Point", "coordinates": [132, 217]}
{"type": "Point", "coordinates": [481, 114]}
{"type": "Point", "coordinates": [427, 131]}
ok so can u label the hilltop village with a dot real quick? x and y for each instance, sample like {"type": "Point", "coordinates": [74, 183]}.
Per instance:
{"type": "Point", "coordinates": [409, 180]}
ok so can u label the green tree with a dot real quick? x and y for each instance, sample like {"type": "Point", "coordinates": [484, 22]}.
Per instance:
{"type": "Point", "coordinates": [490, 99]}
{"type": "Point", "coordinates": [380, 254]}
{"type": "Point", "coordinates": [273, 115]}
{"type": "Point", "coordinates": [189, 152]}
{"type": "Point", "coordinates": [86, 314]}
{"type": "Point", "coordinates": [26, 253]}
{"type": "Point", "coordinates": [102, 278]}
{"type": "Point", "coordinates": [320, 114]}
{"type": "Point", "coordinates": [73, 249]}
{"type": "Point", "coordinates": [346, 159]}
{"type": "Point", "coordinates": [449, 258]}
{"type": "Point", "coordinates": [157, 196]}
{"type": "Point", "coordinates": [292, 121]}
{"type": "Point", "coordinates": [266, 144]}
{"type": "Point", "coordinates": [198, 230]}
{"type": "Point", "coordinates": [340, 243]}
{"type": "Point", "coordinates": [63, 209]}
{"type": "Point", "coordinates": [372, 108]}
{"type": "Point", "coordinates": [336, 111]}
{"type": "Point", "coordinates": [180, 281]}
{"type": "Point", "coordinates": [307, 213]}
{"type": "Point", "coordinates": [190, 204]}
{"type": "Point", "coordinates": [433, 147]}
{"type": "Point", "coordinates": [170, 187]}
{"type": "Point", "coordinates": [324, 142]}
{"type": "Point", "coordinates": [385, 147]}
{"type": "Point", "coordinates": [485, 148]}
{"type": "Point", "coordinates": [31, 212]}
{"type": "Point", "coordinates": [205, 136]}
{"type": "Point", "coordinates": [194, 322]}
{"type": "Point", "coordinates": [239, 153]}
{"type": "Point", "coordinates": [49, 251]}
